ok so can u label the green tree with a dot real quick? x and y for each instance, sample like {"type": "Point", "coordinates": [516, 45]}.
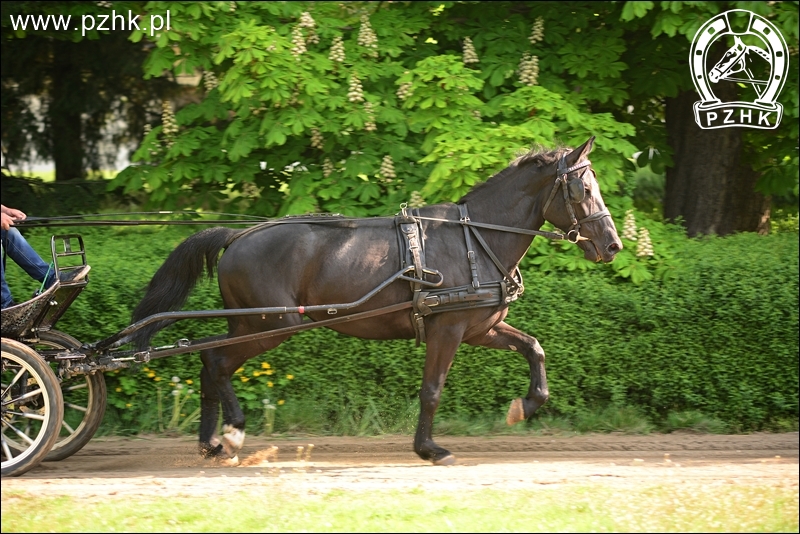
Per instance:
{"type": "Point", "coordinates": [358, 106]}
{"type": "Point", "coordinates": [717, 181]}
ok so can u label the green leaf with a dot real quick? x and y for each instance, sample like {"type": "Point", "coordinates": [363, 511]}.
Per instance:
{"type": "Point", "coordinates": [242, 146]}
{"type": "Point", "coordinates": [275, 137]}
{"type": "Point", "coordinates": [633, 10]}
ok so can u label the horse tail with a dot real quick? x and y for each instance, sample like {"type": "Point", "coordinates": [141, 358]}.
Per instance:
{"type": "Point", "coordinates": [175, 279]}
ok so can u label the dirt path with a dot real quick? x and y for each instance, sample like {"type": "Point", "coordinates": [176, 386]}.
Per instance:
{"type": "Point", "coordinates": [137, 466]}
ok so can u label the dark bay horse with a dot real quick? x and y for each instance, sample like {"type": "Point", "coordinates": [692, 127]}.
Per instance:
{"type": "Point", "coordinates": [306, 263]}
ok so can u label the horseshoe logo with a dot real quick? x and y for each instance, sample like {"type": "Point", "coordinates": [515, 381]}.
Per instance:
{"type": "Point", "coordinates": [735, 66]}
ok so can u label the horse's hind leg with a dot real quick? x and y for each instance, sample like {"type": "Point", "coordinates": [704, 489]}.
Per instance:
{"type": "Point", "coordinates": [219, 364]}
{"type": "Point", "coordinates": [504, 336]}
{"type": "Point", "coordinates": [210, 444]}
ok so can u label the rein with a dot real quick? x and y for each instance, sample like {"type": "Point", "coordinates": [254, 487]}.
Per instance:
{"type": "Point", "coordinates": [86, 220]}
{"type": "Point", "coordinates": [572, 235]}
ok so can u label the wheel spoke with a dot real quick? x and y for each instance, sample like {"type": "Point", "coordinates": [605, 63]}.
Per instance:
{"type": "Point", "coordinates": [26, 396]}
{"type": "Point", "coordinates": [20, 434]}
{"type": "Point", "coordinates": [29, 415]}
{"type": "Point", "coordinates": [76, 407]}
{"type": "Point", "coordinates": [7, 449]}
{"type": "Point", "coordinates": [14, 380]}
{"type": "Point", "coordinates": [69, 428]}
{"type": "Point", "coordinates": [77, 386]}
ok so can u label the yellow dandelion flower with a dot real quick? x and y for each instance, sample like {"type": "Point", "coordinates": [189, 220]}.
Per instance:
{"type": "Point", "coordinates": [290, 377]}
{"type": "Point", "coordinates": [128, 405]}
{"type": "Point", "coordinates": [281, 402]}
{"type": "Point", "coordinates": [244, 378]}
{"type": "Point", "coordinates": [256, 373]}
{"type": "Point", "coordinates": [157, 379]}
{"type": "Point", "coordinates": [264, 365]}
{"type": "Point", "coordinates": [190, 382]}
{"type": "Point", "coordinates": [118, 390]}
{"type": "Point", "coordinates": [240, 369]}
{"type": "Point", "coordinates": [269, 384]}
{"type": "Point", "coordinates": [269, 372]}
{"type": "Point", "coordinates": [146, 368]}
{"type": "Point", "coordinates": [151, 374]}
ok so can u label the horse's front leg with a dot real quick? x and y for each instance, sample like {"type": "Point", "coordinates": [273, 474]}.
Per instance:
{"type": "Point", "coordinates": [504, 336]}
{"type": "Point", "coordinates": [439, 353]}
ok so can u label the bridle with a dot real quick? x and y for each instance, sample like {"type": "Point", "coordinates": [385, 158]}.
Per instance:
{"type": "Point", "coordinates": [574, 193]}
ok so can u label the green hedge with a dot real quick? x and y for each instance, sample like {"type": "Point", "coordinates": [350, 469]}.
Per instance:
{"type": "Point", "coordinates": [721, 338]}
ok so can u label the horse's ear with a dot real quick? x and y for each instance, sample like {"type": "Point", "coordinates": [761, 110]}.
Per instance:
{"type": "Point", "coordinates": [580, 153]}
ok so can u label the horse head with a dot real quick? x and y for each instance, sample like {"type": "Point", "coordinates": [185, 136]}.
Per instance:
{"type": "Point", "coordinates": [731, 62]}
{"type": "Point", "coordinates": [576, 206]}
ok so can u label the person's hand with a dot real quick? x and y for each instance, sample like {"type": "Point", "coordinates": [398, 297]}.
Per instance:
{"type": "Point", "coordinates": [15, 214]}
{"type": "Point", "coordinates": [7, 221]}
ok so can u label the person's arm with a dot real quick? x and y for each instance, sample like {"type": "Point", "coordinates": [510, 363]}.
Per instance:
{"type": "Point", "coordinates": [9, 215]}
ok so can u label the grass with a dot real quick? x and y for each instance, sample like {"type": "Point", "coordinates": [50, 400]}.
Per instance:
{"type": "Point", "coordinates": [371, 417]}
{"type": "Point", "coordinates": [673, 508]}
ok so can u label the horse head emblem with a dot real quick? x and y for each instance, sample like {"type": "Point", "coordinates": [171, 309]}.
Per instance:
{"type": "Point", "coordinates": [741, 63]}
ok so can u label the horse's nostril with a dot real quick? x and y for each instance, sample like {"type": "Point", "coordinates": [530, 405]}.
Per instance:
{"type": "Point", "coordinates": [614, 248]}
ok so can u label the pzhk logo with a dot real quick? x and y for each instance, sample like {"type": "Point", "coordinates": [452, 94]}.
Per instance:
{"type": "Point", "coordinates": [764, 70]}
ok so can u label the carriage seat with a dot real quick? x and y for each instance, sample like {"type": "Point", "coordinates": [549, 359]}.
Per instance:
{"type": "Point", "coordinates": [44, 309]}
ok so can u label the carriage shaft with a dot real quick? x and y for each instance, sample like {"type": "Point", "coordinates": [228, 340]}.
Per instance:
{"type": "Point", "coordinates": [121, 337]}
{"type": "Point", "coordinates": [215, 341]}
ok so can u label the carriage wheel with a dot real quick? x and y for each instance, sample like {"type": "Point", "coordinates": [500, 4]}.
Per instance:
{"type": "Point", "coordinates": [32, 408]}
{"type": "Point", "coordinates": [84, 401]}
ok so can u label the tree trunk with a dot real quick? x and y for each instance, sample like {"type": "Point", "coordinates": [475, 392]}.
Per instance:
{"type": "Point", "coordinates": [65, 112]}
{"type": "Point", "coordinates": [709, 185]}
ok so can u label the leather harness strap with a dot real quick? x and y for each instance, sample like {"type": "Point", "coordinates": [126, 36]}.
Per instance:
{"type": "Point", "coordinates": [473, 262]}
{"type": "Point", "coordinates": [561, 182]}
{"type": "Point", "coordinates": [462, 209]}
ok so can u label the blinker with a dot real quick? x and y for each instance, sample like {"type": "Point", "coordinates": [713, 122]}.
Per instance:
{"type": "Point", "coordinates": [576, 191]}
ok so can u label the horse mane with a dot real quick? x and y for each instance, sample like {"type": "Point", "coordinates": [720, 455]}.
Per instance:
{"type": "Point", "coordinates": [538, 156]}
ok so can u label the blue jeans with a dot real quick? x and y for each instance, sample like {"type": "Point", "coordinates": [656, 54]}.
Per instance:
{"type": "Point", "coordinates": [17, 248]}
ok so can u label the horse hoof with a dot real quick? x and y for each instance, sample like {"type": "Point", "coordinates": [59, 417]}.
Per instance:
{"type": "Point", "coordinates": [447, 460]}
{"type": "Point", "coordinates": [210, 450]}
{"type": "Point", "coordinates": [232, 440]}
{"type": "Point", "coordinates": [516, 412]}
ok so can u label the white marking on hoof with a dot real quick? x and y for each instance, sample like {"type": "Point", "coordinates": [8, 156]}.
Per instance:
{"type": "Point", "coordinates": [447, 460]}
{"type": "Point", "coordinates": [512, 347]}
{"type": "Point", "coordinates": [232, 440]}
{"type": "Point", "coordinates": [516, 412]}
{"type": "Point", "coordinates": [214, 441]}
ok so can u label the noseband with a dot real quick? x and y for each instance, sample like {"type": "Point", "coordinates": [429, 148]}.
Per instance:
{"type": "Point", "coordinates": [573, 191]}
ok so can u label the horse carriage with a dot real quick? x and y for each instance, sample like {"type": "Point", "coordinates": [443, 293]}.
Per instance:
{"type": "Point", "coordinates": [377, 272]}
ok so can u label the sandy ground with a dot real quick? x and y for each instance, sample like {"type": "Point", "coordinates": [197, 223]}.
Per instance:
{"type": "Point", "coordinates": [140, 466]}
